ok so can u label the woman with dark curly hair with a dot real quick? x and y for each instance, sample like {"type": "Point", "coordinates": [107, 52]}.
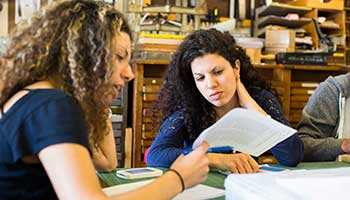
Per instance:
{"type": "Point", "coordinates": [208, 76]}
{"type": "Point", "coordinates": [57, 80]}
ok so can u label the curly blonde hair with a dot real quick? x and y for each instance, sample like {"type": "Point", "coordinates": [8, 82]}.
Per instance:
{"type": "Point", "coordinates": [67, 43]}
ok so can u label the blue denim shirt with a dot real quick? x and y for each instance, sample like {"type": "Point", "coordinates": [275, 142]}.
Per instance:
{"type": "Point", "coordinates": [173, 136]}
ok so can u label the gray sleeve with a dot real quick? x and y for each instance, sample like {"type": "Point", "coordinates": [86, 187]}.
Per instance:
{"type": "Point", "coordinates": [318, 125]}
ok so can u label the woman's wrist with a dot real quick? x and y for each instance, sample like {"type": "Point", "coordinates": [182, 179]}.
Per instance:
{"type": "Point", "coordinates": [216, 161]}
{"type": "Point", "coordinates": [174, 171]}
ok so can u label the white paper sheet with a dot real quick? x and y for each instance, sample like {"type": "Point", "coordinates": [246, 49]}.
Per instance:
{"type": "Point", "coordinates": [198, 192]}
{"type": "Point", "coordinates": [247, 131]}
{"type": "Point", "coordinates": [322, 184]}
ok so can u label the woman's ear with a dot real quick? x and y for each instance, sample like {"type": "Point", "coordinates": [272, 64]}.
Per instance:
{"type": "Point", "coordinates": [237, 67]}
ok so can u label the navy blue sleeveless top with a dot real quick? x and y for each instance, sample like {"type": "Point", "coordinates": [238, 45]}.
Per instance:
{"type": "Point", "coordinates": [40, 118]}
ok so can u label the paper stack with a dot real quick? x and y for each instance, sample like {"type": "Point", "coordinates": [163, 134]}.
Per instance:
{"type": "Point", "coordinates": [289, 185]}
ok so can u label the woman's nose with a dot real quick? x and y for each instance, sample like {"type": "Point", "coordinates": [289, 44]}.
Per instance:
{"type": "Point", "coordinates": [211, 82]}
{"type": "Point", "coordinates": [128, 75]}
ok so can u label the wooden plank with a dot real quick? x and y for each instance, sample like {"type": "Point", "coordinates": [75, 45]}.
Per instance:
{"type": "Point", "coordinates": [11, 15]}
{"type": "Point", "coordinates": [4, 19]}
{"type": "Point", "coordinates": [148, 135]}
{"type": "Point", "coordinates": [128, 148]}
{"type": "Point", "coordinates": [147, 112]}
{"type": "Point", "coordinates": [305, 84]}
{"type": "Point", "coordinates": [149, 126]}
{"type": "Point", "coordinates": [295, 111]}
{"type": "Point", "coordinates": [147, 104]}
{"type": "Point", "coordinates": [150, 97]}
{"type": "Point", "coordinates": [299, 98]}
{"type": "Point", "coordinates": [151, 88]}
{"type": "Point", "coordinates": [284, 76]}
{"type": "Point", "coordinates": [279, 90]}
{"type": "Point", "coordinates": [300, 105]}
{"type": "Point", "coordinates": [152, 62]}
{"type": "Point", "coordinates": [149, 120]}
{"type": "Point", "coordinates": [152, 81]}
{"type": "Point", "coordinates": [146, 143]}
{"type": "Point", "coordinates": [277, 83]}
{"type": "Point", "coordinates": [301, 91]}
{"type": "Point", "coordinates": [137, 113]}
{"type": "Point", "coordinates": [295, 118]}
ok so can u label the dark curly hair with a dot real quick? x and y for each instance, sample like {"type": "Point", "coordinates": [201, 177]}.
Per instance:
{"type": "Point", "coordinates": [179, 91]}
{"type": "Point", "coordinates": [69, 44]}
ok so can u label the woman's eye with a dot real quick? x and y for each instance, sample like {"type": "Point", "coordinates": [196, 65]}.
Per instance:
{"type": "Point", "coordinates": [119, 57]}
{"type": "Point", "coordinates": [219, 72]}
{"type": "Point", "coordinates": [199, 78]}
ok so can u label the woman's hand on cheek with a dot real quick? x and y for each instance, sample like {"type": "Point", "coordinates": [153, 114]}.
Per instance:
{"type": "Point", "coordinates": [245, 100]}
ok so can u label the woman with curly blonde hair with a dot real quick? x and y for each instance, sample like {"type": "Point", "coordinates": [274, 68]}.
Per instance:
{"type": "Point", "coordinates": [57, 79]}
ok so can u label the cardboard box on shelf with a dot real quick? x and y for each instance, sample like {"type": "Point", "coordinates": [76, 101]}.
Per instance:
{"type": "Point", "coordinates": [254, 54]}
{"type": "Point", "coordinates": [284, 38]}
{"type": "Point", "coordinates": [252, 47]}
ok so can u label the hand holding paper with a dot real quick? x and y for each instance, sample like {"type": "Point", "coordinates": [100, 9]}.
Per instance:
{"type": "Point", "coordinates": [247, 131]}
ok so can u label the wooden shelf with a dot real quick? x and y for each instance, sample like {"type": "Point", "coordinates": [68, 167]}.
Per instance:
{"type": "Point", "coordinates": [166, 9]}
{"type": "Point", "coordinates": [336, 28]}
{"type": "Point", "coordinates": [282, 21]}
{"type": "Point", "coordinates": [316, 68]}
{"type": "Point", "coordinates": [275, 14]}
{"type": "Point", "coordinates": [281, 9]}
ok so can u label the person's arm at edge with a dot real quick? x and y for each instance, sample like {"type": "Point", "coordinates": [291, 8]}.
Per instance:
{"type": "Point", "coordinates": [317, 124]}
{"type": "Point", "coordinates": [72, 174]}
{"type": "Point", "coordinates": [193, 168]}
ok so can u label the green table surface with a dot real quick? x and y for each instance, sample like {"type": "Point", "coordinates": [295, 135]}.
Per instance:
{"type": "Point", "coordinates": [216, 179]}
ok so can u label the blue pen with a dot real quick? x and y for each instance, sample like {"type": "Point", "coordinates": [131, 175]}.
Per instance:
{"type": "Point", "coordinates": [222, 149]}
{"type": "Point", "coordinates": [271, 169]}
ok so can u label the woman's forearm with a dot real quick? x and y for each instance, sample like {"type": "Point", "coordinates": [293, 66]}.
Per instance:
{"type": "Point", "coordinates": [165, 187]}
{"type": "Point", "coordinates": [105, 153]}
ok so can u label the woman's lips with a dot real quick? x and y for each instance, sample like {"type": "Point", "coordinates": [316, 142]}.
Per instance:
{"type": "Point", "coordinates": [215, 96]}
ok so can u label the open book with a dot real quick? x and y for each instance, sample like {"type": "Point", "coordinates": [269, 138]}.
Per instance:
{"type": "Point", "coordinates": [246, 131]}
